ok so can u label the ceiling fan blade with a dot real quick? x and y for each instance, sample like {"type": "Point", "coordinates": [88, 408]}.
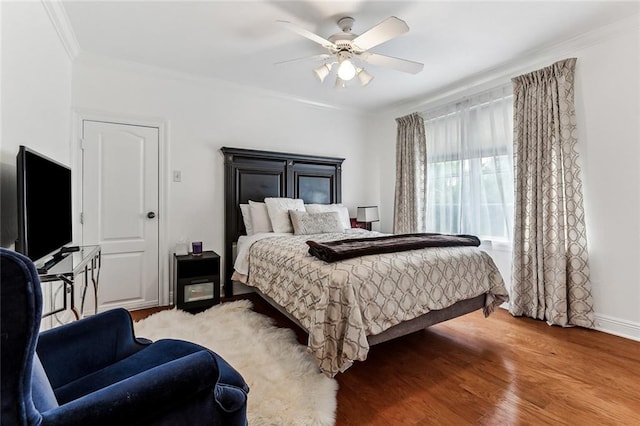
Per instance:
{"type": "Point", "coordinates": [308, 34]}
{"type": "Point", "coordinates": [390, 62]}
{"type": "Point", "coordinates": [305, 58]}
{"type": "Point", "coordinates": [386, 30]}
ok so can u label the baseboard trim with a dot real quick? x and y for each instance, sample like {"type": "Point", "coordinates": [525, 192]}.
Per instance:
{"type": "Point", "coordinates": [617, 327]}
{"type": "Point", "coordinates": [610, 325]}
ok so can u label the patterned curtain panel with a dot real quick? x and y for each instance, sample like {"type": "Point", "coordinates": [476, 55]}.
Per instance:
{"type": "Point", "coordinates": [550, 260]}
{"type": "Point", "coordinates": [411, 162]}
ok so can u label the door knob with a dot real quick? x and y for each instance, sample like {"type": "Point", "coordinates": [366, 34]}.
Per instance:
{"type": "Point", "coordinates": [151, 215]}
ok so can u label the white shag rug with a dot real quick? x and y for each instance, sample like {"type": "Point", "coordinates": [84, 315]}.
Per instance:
{"type": "Point", "coordinates": [286, 385]}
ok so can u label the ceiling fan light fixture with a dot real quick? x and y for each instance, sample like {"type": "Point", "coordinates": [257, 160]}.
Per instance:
{"type": "Point", "coordinates": [346, 70]}
{"type": "Point", "coordinates": [322, 72]}
{"type": "Point", "coordinates": [345, 47]}
{"type": "Point", "coordinates": [364, 77]}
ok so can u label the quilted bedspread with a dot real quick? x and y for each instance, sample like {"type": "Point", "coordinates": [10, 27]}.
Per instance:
{"type": "Point", "coordinates": [341, 303]}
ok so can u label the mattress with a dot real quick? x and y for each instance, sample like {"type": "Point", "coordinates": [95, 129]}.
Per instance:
{"type": "Point", "coordinates": [341, 303]}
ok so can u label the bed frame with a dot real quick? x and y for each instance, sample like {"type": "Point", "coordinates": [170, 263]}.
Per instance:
{"type": "Point", "coordinates": [253, 175]}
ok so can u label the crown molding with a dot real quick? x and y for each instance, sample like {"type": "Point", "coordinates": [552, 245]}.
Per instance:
{"type": "Point", "coordinates": [526, 62]}
{"type": "Point", "coordinates": [118, 64]}
{"type": "Point", "coordinates": [60, 20]}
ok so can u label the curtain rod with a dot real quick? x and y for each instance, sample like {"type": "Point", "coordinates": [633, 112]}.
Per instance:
{"type": "Point", "coordinates": [425, 113]}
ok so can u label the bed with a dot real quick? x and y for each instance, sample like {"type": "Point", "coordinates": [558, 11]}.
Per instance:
{"type": "Point", "coordinates": [345, 306]}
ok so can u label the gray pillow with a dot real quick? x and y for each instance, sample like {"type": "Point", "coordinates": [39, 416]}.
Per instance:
{"type": "Point", "coordinates": [315, 223]}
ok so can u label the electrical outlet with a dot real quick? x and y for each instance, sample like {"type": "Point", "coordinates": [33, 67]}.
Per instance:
{"type": "Point", "coordinates": [177, 176]}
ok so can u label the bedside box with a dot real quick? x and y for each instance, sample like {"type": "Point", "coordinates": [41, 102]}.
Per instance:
{"type": "Point", "coordinates": [196, 280]}
{"type": "Point", "coordinates": [361, 225]}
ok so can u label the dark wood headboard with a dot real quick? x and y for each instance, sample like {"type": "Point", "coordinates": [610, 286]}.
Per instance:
{"type": "Point", "coordinates": [253, 175]}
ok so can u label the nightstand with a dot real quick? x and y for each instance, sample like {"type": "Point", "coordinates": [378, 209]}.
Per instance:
{"type": "Point", "coordinates": [361, 225]}
{"type": "Point", "coordinates": [196, 280]}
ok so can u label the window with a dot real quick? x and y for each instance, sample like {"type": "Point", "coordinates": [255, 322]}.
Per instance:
{"type": "Point", "coordinates": [470, 167]}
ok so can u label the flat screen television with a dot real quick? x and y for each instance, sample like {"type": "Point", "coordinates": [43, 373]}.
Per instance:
{"type": "Point", "coordinates": [44, 205]}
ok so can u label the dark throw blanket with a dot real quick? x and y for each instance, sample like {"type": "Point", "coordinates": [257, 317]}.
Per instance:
{"type": "Point", "coordinates": [332, 251]}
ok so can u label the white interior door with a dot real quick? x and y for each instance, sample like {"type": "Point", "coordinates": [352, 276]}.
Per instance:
{"type": "Point", "coordinates": [119, 210]}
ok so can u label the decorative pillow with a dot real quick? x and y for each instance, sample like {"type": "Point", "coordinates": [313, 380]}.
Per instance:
{"type": "Point", "coordinates": [259, 217]}
{"type": "Point", "coordinates": [315, 223]}
{"type": "Point", "coordinates": [342, 210]}
{"type": "Point", "coordinates": [246, 218]}
{"type": "Point", "coordinates": [278, 209]}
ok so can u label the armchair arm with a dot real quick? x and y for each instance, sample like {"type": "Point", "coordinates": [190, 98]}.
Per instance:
{"type": "Point", "coordinates": [82, 347]}
{"type": "Point", "coordinates": [229, 375]}
{"type": "Point", "coordinates": [146, 396]}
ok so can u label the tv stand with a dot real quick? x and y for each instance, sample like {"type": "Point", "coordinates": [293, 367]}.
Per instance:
{"type": "Point", "coordinates": [67, 266]}
{"type": "Point", "coordinates": [61, 254]}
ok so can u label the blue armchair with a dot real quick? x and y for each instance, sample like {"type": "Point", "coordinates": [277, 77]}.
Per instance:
{"type": "Point", "coordinates": [95, 372]}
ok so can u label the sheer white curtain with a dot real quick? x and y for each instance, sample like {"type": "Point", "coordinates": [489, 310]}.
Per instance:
{"type": "Point", "coordinates": [470, 166]}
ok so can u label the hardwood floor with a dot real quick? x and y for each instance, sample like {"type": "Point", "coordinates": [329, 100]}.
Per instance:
{"type": "Point", "coordinates": [495, 371]}
{"type": "Point", "coordinates": [143, 313]}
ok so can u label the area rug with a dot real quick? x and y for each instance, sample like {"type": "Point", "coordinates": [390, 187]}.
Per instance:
{"type": "Point", "coordinates": [286, 385]}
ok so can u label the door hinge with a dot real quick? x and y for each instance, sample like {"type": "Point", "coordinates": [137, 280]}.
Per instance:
{"type": "Point", "coordinates": [81, 218]}
{"type": "Point", "coordinates": [82, 146]}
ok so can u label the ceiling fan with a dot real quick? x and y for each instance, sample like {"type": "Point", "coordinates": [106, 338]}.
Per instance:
{"type": "Point", "coordinates": [349, 51]}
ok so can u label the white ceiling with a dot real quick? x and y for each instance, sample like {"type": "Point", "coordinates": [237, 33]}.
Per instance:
{"type": "Point", "coordinates": [239, 41]}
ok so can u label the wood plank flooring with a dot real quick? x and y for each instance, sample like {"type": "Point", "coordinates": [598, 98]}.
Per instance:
{"type": "Point", "coordinates": [499, 370]}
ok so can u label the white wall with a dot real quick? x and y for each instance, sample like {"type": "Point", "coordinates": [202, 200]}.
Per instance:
{"type": "Point", "coordinates": [36, 97]}
{"type": "Point", "coordinates": [36, 106]}
{"type": "Point", "coordinates": [203, 116]}
{"type": "Point", "coordinates": [607, 95]}
{"type": "Point", "coordinates": [607, 108]}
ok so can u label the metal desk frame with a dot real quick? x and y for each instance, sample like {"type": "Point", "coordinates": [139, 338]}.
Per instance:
{"type": "Point", "coordinates": [88, 262]}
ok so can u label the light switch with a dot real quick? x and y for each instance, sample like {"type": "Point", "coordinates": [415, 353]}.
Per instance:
{"type": "Point", "coordinates": [177, 176]}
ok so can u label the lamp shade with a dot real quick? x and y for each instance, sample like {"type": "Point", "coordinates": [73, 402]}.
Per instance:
{"type": "Point", "coordinates": [340, 83]}
{"type": "Point", "coordinates": [368, 214]}
{"type": "Point", "coordinates": [364, 77]}
{"type": "Point", "coordinates": [322, 72]}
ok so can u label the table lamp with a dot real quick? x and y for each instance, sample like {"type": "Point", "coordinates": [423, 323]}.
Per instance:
{"type": "Point", "coordinates": [366, 215]}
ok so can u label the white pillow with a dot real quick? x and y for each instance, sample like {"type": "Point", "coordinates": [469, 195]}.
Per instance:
{"type": "Point", "coordinates": [342, 210]}
{"type": "Point", "coordinates": [278, 209]}
{"type": "Point", "coordinates": [315, 223]}
{"type": "Point", "coordinates": [246, 218]}
{"type": "Point", "coordinates": [259, 217]}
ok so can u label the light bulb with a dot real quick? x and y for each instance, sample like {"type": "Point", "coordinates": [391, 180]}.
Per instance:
{"type": "Point", "coordinates": [346, 71]}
